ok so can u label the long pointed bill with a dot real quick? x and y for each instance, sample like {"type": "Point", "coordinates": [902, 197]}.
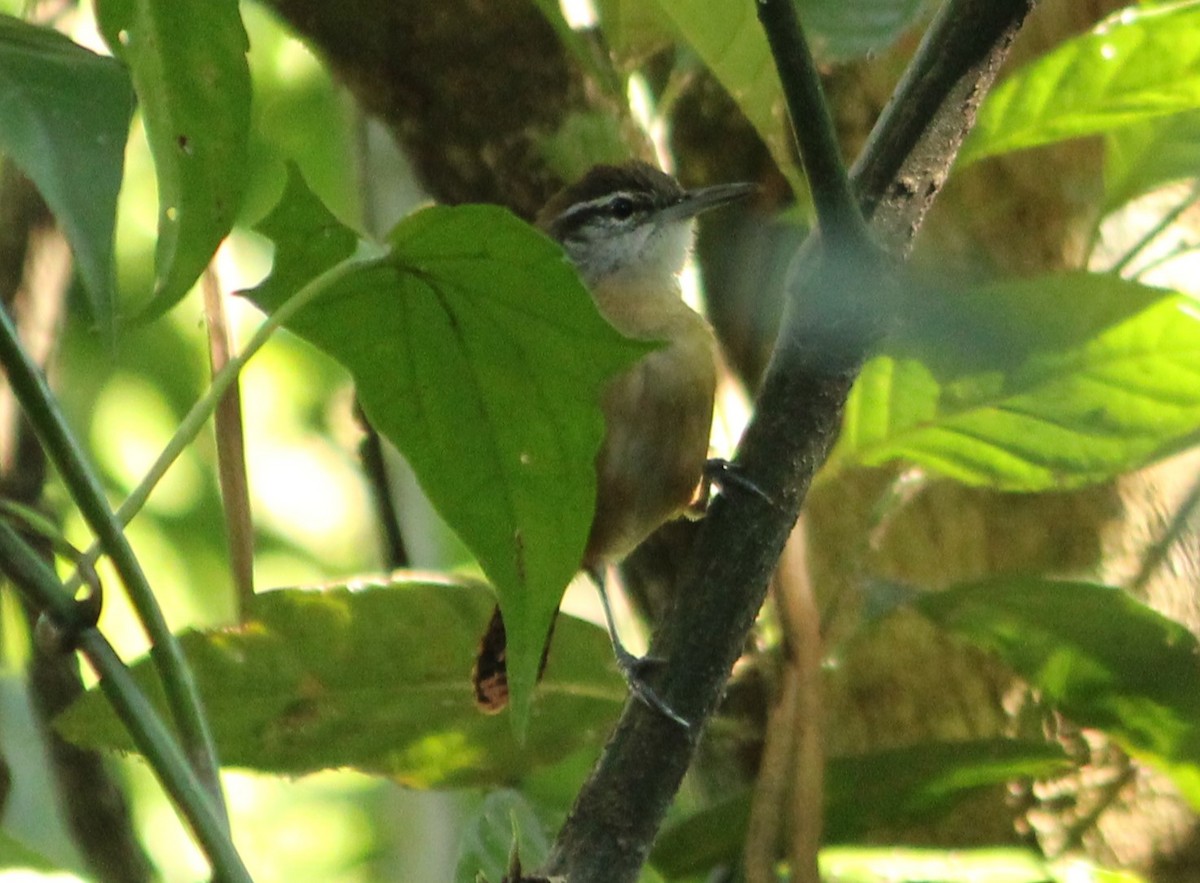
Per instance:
{"type": "Point", "coordinates": [696, 201]}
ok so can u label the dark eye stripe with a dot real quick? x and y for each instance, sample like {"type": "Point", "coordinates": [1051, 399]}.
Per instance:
{"type": "Point", "coordinates": [620, 205]}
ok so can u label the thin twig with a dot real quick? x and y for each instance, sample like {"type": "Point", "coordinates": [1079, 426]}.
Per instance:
{"type": "Point", "coordinates": [371, 454]}
{"type": "Point", "coordinates": [1122, 264]}
{"type": "Point", "coordinates": [1183, 248]}
{"type": "Point", "coordinates": [206, 405]}
{"type": "Point", "coordinates": [1173, 533]}
{"type": "Point", "coordinates": [801, 620]}
{"type": "Point", "coordinates": [231, 447]}
{"type": "Point", "coordinates": [35, 274]}
{"type": "Point", "coordinates": [793, 756]}
{"type": "Point", "coordinates": [768, 804]}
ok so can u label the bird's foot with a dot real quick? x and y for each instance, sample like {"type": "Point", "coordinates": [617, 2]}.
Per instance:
{"type": "Point", "coordinates": [634, 669]}
{"type": "Point", "coordinates": [726, 475]}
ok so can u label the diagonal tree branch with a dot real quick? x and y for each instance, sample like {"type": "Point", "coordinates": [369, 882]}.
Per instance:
{"type": "Point", "coordinates": [616, 816]}
{"type": "Point", "coordinates": [908, 155]}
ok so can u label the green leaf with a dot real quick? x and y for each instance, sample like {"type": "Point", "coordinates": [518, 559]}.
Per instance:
{"type": "Point", "coordinates": [188, 61]}
{"type": "Point", "coordinates": [505, 819]}
{"type": "Point", "coordinates": [1102, 657]}
{"type": "Point", "coordinates": [1140, 63]}
{"type": "Point", "coordinates": [375, 677]}
{"type": "Point", "coordinates": [1141, 157]}
{"type": "Point", "coordinates": [15, 854]}
{"type": "Point", "coordinates": [308, 240]}
{"type": "Point", "coordinates": [729, 40]}
{"type": "Point", "coordinates": [922, 782]}
{"type": "Point", "coordinates": [900, 786]}
{"type": "Point", "coordinates": [1034, 384]}
{"type": "Point", "coordinates": [634, 29]}
{"type": "Point", "coordinates": [477, 351]}
{"type": "Point", "coordinates": [64, 118]}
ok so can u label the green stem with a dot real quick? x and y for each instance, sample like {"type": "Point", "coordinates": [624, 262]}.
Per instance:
{"type": "Point", "coordinates": [79, 477]}
{"type": "Point", "coordinates": [34, 579]}
{"type": "Point", "coordinates": [200, 413]}
{"type": "Point", "coordinates": [839, 215]}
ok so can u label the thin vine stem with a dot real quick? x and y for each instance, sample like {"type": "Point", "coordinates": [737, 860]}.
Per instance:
{"type": "Point", "coordinates": [206, 405]}
{"type": "Point", "coordinates": [29, 573]}
{"type": "Point", "coordinates": [1157, 230]}
{"type": "Point", "coordinates": [48, 421]}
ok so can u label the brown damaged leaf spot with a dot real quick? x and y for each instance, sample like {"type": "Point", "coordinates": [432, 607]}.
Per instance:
{"type": "Point", "coordinates": [300, 714]}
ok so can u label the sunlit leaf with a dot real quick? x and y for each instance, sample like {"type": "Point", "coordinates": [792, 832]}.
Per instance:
{"type": "Point", "coordinates": [878, 790]}
{"type": "Point", "coordinates": [1102, 657]}
{"type": "Point", "coordinates": [1032, 384]}
{"type": "Point", "coordinates": [64, 118]}
{"type": "Point", "coordinates": [349, 677]}
{"type": "Point", "coordinates": [1139, 63]}
{"type": "Point", "coordinates": [1141, 157]}
{"type": "Point", "coordinates": [633, 28]}
{"type": "Point", "coordinates": [730, 41]}
{"type": "Point", "coordinates": [188, 62]}
{"type": "Point", "coordinates": [477, 351]}
{"type": "Point", "coordinates": [504, 819]}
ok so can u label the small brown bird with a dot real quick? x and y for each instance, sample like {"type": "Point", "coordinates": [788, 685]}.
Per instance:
{"type": "Point", "coordinates": [628, 229]}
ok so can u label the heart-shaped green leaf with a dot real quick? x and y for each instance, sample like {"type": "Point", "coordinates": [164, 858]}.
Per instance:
{"type": "Point", "coordinates": [477, 351]}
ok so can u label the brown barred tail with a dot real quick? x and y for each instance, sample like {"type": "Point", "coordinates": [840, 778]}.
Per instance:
{"type": "Point", "coordinates": [489, 677]}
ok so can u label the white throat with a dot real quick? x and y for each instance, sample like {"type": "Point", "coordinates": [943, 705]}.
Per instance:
{"type": "Point", "coordinates": [648, 254]}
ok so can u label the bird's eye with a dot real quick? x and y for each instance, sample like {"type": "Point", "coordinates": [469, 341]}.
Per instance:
{"type": "Point", "coordinates": [621, 208]}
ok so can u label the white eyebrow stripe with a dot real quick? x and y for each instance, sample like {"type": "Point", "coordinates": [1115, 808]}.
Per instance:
{"type": "Point", "coordinates": [580, 208]}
